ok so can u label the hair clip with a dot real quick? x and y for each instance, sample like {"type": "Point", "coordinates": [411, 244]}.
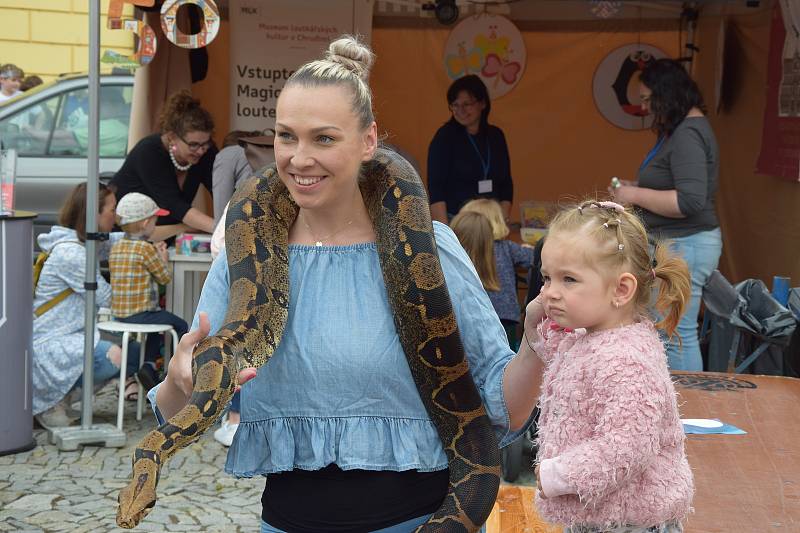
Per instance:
{"type": "Point", "coordinates": [621, 247]}
{"type": "Point", "coordinates": [612, 205]}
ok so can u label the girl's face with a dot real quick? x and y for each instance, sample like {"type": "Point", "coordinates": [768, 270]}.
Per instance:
{"type": "Point", "coordinates": [576, 295]}
{"type": "Point", "coordinates": [105, 219]}
{"type": "Point", "coordinates": [10, 85]}
{"type": "Point", "coordinates": [467, 109]}
{"type": "Point", "coordinates": [319, 145]}
{"type": "Point", "coordinates": [191, 147]}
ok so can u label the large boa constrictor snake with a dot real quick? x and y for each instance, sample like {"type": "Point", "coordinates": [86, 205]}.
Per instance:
{"type": "Point", "coordinates": [258, 223]}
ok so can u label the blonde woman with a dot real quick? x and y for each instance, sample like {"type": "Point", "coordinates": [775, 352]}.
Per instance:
{"type": "Point", "coordinates": [508, 257]}
{"type": "Point", "coordinates": [335, 415]}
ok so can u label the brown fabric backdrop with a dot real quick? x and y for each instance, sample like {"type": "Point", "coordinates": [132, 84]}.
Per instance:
{"type": "Point", "coordinates": [560, 145]}
{"type": "Point", "coordinates": [167, 73]}
{"type": "Point", "coordinates": [760, 215]}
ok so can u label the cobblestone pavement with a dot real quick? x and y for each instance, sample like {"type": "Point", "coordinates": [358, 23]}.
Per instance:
{"type": "Point", "coordinates": [46, 490]}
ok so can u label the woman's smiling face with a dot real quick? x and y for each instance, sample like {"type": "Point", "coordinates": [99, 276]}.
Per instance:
{"type": "Point", "coordinates": [319, 144]}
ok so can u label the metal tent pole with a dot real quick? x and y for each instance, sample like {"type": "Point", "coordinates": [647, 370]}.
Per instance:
{"type": "Point", "coordinates": [69, 438]}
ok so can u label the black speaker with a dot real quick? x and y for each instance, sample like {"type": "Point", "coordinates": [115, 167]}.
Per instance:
{"type": "Point", "coordinates": [446, 11]}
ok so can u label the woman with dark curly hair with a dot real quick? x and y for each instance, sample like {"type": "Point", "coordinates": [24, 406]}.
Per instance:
{"type": "Point", "coordinates": [677, 182]}
{"type": "Point", "coordinates": [468, 157]}
{"type": "Point", "coordinates": [170, 166]}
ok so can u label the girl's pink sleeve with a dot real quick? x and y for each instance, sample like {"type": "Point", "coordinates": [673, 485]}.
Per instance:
{"type": "Point", "coordinates": [554, 480]}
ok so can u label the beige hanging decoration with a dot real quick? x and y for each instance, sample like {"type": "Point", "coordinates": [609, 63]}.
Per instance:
{"type": "Point", "coordinates": [489, 46]}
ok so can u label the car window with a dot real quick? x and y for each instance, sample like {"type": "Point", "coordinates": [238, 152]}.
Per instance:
{"type": "Point", "coordinates": [71, 135]}
{"type": "Point", "coordinates": [29, 129]}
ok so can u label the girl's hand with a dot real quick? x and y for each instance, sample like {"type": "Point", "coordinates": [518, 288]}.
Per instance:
{"type": "Point", "coordinates": [180, 366]}
{"type": "Point", "coordinates": [534, 313]}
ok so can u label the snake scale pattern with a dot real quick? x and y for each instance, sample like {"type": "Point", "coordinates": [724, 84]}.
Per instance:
{"type": "Point", "coordinates": [259, 219]}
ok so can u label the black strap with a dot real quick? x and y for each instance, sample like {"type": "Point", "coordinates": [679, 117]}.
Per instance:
{"type": "Point", "coordinates": [99, 236]}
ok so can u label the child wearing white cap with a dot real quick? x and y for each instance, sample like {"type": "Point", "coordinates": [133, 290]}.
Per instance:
{"type": "Point", "coordinates": [136, 266]}
{"type": "Point", "coordinates": [10, 79]}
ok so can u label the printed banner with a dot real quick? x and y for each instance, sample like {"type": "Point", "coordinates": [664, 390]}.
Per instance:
{"type": "Point", "coordinates": [780, 138]}
{"type": "Point", "coordinates": [272, 38]}
{"type": "Point", "coordinates": [489, 46]}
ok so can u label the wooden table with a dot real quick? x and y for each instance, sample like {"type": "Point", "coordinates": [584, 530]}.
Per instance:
{"type": "Point", "coordinates": [744, 483]}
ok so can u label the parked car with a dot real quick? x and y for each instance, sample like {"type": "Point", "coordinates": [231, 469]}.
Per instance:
{"type": "Point", "coordinates": [48, 126]}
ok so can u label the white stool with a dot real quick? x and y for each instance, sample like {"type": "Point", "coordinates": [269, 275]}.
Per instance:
{"type": "Point", "coordinates": [141, 331]}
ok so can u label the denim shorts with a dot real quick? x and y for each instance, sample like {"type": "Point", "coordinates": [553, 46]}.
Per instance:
{"type": "Point", "coordinates": [103, 369]}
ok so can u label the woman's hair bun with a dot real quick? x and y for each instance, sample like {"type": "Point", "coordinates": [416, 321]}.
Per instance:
{"type": "Point", "coordinates": [352, 54]}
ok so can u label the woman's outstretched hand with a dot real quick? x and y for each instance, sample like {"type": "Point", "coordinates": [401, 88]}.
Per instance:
{"type": "Point", "coordinates": [180, 366]}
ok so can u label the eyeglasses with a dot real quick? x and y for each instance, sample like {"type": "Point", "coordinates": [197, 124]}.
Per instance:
{"type": "Point", "coordinates": [455, 106]}
{"type": "Point", "coordinates": [193, 146]}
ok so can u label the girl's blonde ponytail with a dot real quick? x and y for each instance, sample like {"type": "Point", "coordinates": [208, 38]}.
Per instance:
{"type": "Point", "coordinates": [674, 289]}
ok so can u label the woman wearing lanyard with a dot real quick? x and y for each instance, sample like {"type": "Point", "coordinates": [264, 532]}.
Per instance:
{"type": "Point", "coordinates": [677, 182]}
{"type": "Point", "coordinates": [468, 158]}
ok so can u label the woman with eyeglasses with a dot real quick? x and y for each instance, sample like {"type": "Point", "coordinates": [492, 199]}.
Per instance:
{"type": "Point", "coordinates": [170, 166]}
{"type": "Point", "coordinates": [468, 157]}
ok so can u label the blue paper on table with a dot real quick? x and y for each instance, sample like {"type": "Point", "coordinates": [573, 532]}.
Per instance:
{"type": "Point", "coordinates": [705, 426]}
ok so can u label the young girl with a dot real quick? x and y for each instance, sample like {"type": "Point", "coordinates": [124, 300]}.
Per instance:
{"type": "Point", "coordinates": [611, 446]}
{"type": "Point", "coordinates": [507, 257]}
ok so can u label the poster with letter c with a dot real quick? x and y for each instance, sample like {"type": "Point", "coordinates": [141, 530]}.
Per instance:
{"type": "Point", "coordinates": [274, 37]}
{"type": "Point", "coordinates": [615, 86]}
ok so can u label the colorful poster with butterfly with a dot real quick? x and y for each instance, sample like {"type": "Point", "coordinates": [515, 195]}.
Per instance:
{"type": "Point", "coordinates": [616, 85]}
{"type": "Point", "coordinates": [489, 46]}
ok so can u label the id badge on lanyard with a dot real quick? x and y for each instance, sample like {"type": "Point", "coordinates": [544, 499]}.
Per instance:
{"type": "Point", "coordinates": [485, 184]}
{"type": "Point", "coordinates": [652, 153]}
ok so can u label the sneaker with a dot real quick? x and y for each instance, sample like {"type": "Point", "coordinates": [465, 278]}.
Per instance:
{"type": "Point", "coordinates": [54, 417]}
{"type": "Point", "coordinates": [147, 377]}
{"type": "Point", "coordinates": [73, 398]}
{"type": "Point", "coordinates": [224, 435]}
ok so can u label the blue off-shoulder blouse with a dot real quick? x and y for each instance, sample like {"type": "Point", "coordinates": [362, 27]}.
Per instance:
{"type": "Point", "coordinates": [338, 388]}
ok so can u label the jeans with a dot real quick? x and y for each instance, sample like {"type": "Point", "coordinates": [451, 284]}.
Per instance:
{"type": "Point", "coordinates": [701, 252]}
{"type": "Point", "coordinates": [104, 369]}
{"type": "Point", "coordinates": [405, 527]}
{"type": "Point", "coordinates": [153, 347]}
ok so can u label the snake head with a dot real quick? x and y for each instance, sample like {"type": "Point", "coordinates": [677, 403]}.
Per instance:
{"type": "Point", "coordinates": [139, 496]}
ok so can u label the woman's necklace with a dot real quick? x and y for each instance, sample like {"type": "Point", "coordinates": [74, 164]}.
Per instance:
{"type": "Point", "coordinates": [182, 168]}
{"type": "Point", "coordinates": [319, 241]}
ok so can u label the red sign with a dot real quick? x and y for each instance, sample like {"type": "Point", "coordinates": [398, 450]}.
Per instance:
{"type": "Point", "coordinates": [780, 139]}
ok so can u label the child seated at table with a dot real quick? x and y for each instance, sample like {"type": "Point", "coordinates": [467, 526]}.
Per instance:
{"type": "Point", "coordinates": [136, 265]}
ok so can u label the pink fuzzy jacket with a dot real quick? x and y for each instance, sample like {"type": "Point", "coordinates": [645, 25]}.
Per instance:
{"type": "Point", "coordinates": [610, 426]}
